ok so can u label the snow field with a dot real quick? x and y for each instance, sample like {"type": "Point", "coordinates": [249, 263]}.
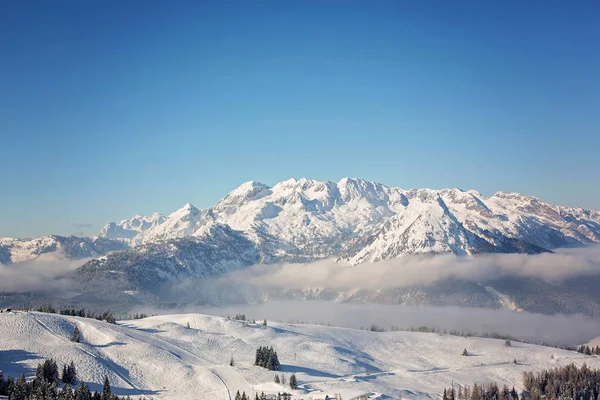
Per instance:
{"type": "Point", "coordinates": [163, 358]}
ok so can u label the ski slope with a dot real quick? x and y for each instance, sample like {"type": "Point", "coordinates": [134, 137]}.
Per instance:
{"type": "Point", "coordinates": [161, 357]}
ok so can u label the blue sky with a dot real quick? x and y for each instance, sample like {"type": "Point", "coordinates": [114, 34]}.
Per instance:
{"type": "Point", "coordinates": [108, 109]}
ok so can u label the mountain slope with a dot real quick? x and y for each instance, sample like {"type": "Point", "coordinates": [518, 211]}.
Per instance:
{"type": "Point", "coordinates": [152, 268]}
{"type": "Point", "coordinates": [71, 247]}
{"type": "Point", "coordinates": [162, 358]}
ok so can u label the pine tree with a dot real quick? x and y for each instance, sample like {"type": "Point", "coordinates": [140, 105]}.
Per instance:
{"type": "Point", "coordinates": [445, 395]}
{"type": "Point", "coordinates": [244, 397]}
{"type": "Point", "coordinates": [75, 337]}
{"type": "Point", "coordinates": [265, 322]}
{"type": "Point", "coordinates": [238, 396]}
{"type": "Point", "coordinates": [277, 379]}
{"type": "Point", "coordinates": [65, 375]}
{"type": "Point", "coordinates": [83, 392]}
{"type": "Point", "coordinates": [282, 379]}
{"type": "Point", "coordinates": [293, 382]}
{"type": "Point", "coordinates": [20, 389]}
{"type": "Point", "coordinates": [2, 384]}
{"type": "Point", "coordinates": [465, 352]}
{"type": "Point", "coordinates": [106, 390]}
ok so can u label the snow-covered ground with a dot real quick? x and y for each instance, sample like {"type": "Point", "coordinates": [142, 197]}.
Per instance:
{"type": "Point", "coordinates": [163, 358]}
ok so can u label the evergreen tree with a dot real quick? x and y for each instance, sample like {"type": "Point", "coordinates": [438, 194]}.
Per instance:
{"type": "Point", "coordinates": [238, 396]}
{"type": "Point", "coordinates": [47, 372]}
{"type": "Point", "coordinates": [265, 322]}
{"type": "Point", "coordinates": [83, 392]}
{"type": "Point", "coordinates": [3, 388]}
{"type": "Point", "coordinates": [65, 375]}
{"type": "Point", "coordinates": [75, 337]}
{"type": "Point", "coordinates": [69, 374]}
{"type": "Point", "coordinates": [106, 390]}
{"type": "Point", "coordinates": [465, 352]}
{"type": "Point", "coordinates": [293, 382]}
{"type": "Point", "coordinates": [19, 391]}
{"type": "Point", "coordinates": [514, 394]}
{"type": "Point", "coordinates": [244, 397]}
{"type": "Point", "coordinates": [277, 379]}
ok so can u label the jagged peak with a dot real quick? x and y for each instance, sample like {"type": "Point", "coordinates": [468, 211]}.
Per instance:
{"type": "Point", "coordinates": [188, 208]}
{"type": "Point", "coordinates": [246, 191]}
{"type": "Point", "coordinates": [249, 186]}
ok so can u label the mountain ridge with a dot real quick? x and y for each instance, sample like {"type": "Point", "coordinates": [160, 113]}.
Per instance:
{"type": "Point", "coordinates": [304, 213]}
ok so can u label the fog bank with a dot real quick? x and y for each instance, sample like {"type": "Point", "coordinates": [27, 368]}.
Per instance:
{"type": "Point", "coordinates": [568, 330]}
{"type": "Point", "coordinates": [421, 270]}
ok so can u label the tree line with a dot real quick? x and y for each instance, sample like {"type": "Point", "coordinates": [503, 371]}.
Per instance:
{"type": "Point", "coordinates": [262, 396]}
{"type": "Point", "coordinates": [44, 386]}
{"type": "Point", "coordinates": [561, 383]}
{"type": "Point", "coordinates": [107, 316]}
{"type": "Point", "coordinates": [587, 350]}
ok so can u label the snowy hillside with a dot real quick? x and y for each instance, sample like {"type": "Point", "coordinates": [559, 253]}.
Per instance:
{"type": "Point", "coordinates": [161, 357]}
{"type": "Point", "coordinates": [299, 220]}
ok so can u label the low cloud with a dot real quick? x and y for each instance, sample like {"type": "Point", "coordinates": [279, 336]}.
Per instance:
{"type": "Point", "coordinates": [422, 270]}
{"type": "Point", "coordinates": [564, 330]}
{"type": "Point", "coordinates": [38, 275]}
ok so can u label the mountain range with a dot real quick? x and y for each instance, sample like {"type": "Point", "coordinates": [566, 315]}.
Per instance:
{"type": "Point", "coordinates": [352, 221]}
{"type": "Point", "coordinates": [360, 221]}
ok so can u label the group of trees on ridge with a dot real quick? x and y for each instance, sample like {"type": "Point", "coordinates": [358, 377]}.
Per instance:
{"type": "Point", "coordinates": [262, 396]}
{"type": "Point", "coordinates": [267, 358]}
{"type": "Point", "coordinates": [561, 383]}
{"type": "Point", "coordinates": [587, 350]}
{"type": "Point", "coordinates": [107, 316]}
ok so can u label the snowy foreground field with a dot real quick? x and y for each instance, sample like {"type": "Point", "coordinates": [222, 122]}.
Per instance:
{"type": "Point", "coordinates": [161, 357]}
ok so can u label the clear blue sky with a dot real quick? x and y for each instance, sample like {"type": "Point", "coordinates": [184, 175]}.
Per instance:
{"type": "Point", "coordinates": [112, 108]}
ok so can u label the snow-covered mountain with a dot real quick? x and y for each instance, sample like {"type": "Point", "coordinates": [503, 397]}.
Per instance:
{"type": "Point", "coordinates": [71, 247]}
{"type": "Point", "coordinates": [152, 267]}
{"type": "Point", "coordinates": [359, 221]}
{"type": "Point", "coordinates": [129, 228]}
{"type": "Point", "coordinates": [353, 221]}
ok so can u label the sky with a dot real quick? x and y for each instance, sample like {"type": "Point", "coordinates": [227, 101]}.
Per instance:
{"type": "Point", "coordinates": [109, 109]}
